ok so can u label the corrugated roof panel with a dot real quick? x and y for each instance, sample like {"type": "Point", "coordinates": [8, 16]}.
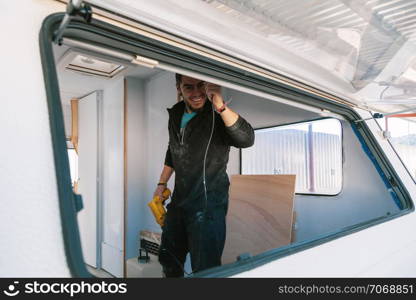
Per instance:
{"type": "Point", "coordinates": [394, 7]}
{"type": "Point", "coordinates": [384, 4]}
{"type": "Point", "coordinates": [357, 43]}
{"type": "Point", "coordinates": [401, 16]}
{"type": "Point", "coordinates": [312, 28]}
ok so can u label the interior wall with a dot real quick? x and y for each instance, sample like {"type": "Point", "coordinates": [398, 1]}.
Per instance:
{"type": "Point", "coordinates": [32, 243]}
{"type": "Point", "coordinates": [112, 174]}
{"type": "Point", "coordinates": [147, 140]}
{"type": "Point", "coordinates": [160, 94]}
{"type": "Point", "coordinates": [136, 164]}
{"type": "Point", "coordinates": [364, 195]}
{"type": "Point", "coordinates": [87, 176]}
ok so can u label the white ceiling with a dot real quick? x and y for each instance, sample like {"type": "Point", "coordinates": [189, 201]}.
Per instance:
{"type": "Point", "coordinates": [76, 85]}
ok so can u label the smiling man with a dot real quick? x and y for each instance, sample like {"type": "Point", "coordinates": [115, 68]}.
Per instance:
{"type": "Point", "coordinates": [201, 130]}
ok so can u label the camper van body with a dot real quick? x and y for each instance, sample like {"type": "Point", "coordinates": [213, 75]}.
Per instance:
{"type": "Point", "coordinates": [33, 234]}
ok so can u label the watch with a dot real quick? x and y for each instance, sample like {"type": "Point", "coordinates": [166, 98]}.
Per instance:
{"type": "Point", "coordinates": [222, 108]}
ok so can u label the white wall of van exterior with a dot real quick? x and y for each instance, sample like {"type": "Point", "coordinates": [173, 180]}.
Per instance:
{"type": "Point", "coordinates": [384, 250]}
{"type": "Point", "coordinates": [32, 245]}
{"type": "Point", "coordinates": [31, 237]}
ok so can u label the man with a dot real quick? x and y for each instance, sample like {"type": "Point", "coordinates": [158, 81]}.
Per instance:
{"type": "Point", "coordinates": [195, 219]}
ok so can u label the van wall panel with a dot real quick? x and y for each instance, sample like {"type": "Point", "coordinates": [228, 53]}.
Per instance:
{"type": "Point", "coordinates": [31, 238]}
{"type": "Point", "coordinates": [136, 164]}
{"type": "Point", "coordinates": [160, 94]}
{"type": "Point", "coordinates": [364, 195]}
{"type": "Point", "coordinates": [113, 168]}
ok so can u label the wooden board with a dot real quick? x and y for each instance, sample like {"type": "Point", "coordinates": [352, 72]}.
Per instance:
{"type": "Point", "coordinates": [260, 214]}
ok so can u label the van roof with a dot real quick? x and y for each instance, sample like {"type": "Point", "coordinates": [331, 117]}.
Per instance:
{"type": "Point", "coordinates": [362, 51]}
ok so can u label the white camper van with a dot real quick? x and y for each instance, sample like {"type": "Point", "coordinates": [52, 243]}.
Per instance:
{"type": "Point", "coordinates": [328, 86]}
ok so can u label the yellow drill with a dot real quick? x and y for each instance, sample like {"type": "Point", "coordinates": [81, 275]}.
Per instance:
{"type": "Point", "coordinates": [157, 208]}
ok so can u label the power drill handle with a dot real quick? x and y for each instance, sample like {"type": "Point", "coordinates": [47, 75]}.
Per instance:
{"type": "Point", "coordinates": [157, 208]}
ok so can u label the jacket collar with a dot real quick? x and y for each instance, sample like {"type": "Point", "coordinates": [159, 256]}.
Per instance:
{"type": "Point", "coordinates": [177, 110]}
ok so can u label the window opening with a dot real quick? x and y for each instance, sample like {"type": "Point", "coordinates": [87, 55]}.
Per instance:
{"type": "Point", "coordinates": [310, 150]}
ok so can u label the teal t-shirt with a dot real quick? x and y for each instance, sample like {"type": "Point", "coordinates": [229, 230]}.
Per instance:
{"type": "Point", "coordinates": [186, 118]}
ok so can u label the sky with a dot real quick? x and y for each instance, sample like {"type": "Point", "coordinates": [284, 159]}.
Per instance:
{"type": "Point", "coordinates": [397, 126]}
{"type": "Point", "coordinates": [330, 126]}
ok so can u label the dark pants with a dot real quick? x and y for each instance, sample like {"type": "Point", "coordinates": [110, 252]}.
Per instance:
{"type": "Point", "coordinates": [201, 234]}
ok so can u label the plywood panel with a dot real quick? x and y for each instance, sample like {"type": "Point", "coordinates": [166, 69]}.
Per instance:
{"type": "Point", "coordinates": [260, 214]}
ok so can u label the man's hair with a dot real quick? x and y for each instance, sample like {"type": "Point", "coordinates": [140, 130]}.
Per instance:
{"type": "Point", "coordinates": [178, 78]}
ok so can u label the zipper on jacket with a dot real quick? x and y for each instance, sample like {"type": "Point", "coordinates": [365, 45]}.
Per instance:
{"type": "Point", "coordinates": [183, 134]}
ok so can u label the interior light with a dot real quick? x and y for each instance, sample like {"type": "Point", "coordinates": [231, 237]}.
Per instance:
{"type": "Point", "coordinates": [93, 66]}
{"type": "Point", "coordinates": [87, 60]}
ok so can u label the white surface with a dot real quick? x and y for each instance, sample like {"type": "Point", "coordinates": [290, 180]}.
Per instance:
{"type": "Point", "coordinates": [31, 236]}
{"type": "Point", "coordinates": [136, 164]}
{"type": "Point", "coordinates": [385, 250]}
{"type": "Point", "coordinates": [112, 260]}
{"type": "Point", "coordinates": [87, 172]}
{"type": "Point", "coordinates": [160, 93]}
{"type": "Point", "coordinates": [151, 269]}
{"type": "Point", "coordinates": [112, 147]}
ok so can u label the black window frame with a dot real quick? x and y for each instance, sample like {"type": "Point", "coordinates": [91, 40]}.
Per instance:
{"type": "Point", "coordinates": [106, 35]}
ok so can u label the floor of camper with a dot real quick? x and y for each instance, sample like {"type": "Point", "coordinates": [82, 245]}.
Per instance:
{"type": "Point", "coordinates": [134, 269]}
{"type": "Point", "coordinates": [100, 273]}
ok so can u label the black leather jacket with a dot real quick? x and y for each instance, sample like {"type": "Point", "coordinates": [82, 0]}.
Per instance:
{"type": "Point", "coordinates": [186, 153]}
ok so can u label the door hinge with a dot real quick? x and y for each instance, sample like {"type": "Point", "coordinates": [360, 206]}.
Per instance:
{"type": "Point", "coordinates": [73, 8]}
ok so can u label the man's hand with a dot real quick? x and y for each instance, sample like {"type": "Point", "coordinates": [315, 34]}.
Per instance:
{"type": "Point", "coordinates": [213, 92]}
{"type": "Point", "coordinates": [159, 191]}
